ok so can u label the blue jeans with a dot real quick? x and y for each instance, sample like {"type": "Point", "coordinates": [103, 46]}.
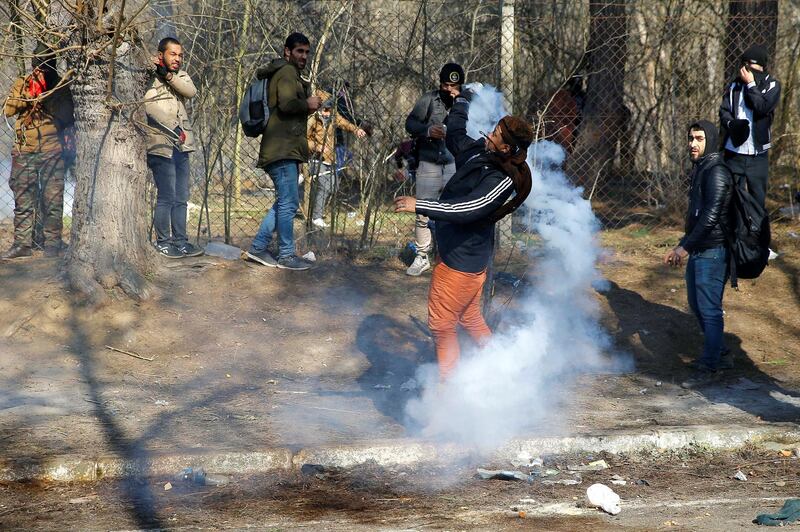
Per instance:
{"type": "Point", "coordinates": [172, 183]}
{"type": "Point", "coordinates": [280, 217]}
{"type": "Point", "coordinates": [706, 275]}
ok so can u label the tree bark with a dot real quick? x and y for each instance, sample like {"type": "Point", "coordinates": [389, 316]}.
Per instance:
{"type": "Point", "coordinates": [749, 22]}
{"type": "Point", "coordinates": [604, 114]}
{"type": "Point", "coordinates": [109, 244]}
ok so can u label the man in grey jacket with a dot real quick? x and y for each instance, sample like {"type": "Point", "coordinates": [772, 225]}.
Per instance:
{"type": "Point", "coordinates": [436, 164]}
{"type": "Point", "coordinates": [169, 142]}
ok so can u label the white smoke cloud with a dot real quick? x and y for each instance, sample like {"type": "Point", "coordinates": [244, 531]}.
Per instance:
{"type": "Point", "coordinates": [517, 382]}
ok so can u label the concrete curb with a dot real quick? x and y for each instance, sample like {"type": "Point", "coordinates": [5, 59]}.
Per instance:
{"type": "Point", "coordinates": [390, 453]}
{"type": "Point", "coordinates": [81, 469]}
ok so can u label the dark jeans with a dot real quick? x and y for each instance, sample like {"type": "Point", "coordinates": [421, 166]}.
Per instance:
{"type": "Point", "coordinates": [706, 275]}
{"type": "Point", "coordinates": [172, 181]}
{"type": "Point", "coordinates": [280, 217]}
{"type": "Point", "coordinates": [755, 169]}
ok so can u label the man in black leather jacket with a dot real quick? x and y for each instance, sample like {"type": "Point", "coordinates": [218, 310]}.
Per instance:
{"type": "Point", "coordinates": [704, 244]}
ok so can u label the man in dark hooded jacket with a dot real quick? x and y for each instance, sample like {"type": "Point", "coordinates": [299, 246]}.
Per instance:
{"type": "Point", "coordinates": [745, 116]}
{"type": "Point", "coordinates": [705, 245]}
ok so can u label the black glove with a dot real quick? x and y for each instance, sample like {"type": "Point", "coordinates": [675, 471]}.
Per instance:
{"type": "Point", "coordinates": [368, 128]}
{"type": "Point", "coordinates": [467, 94]}
{"type": "Point", "coordinates": [161, 71]}
{"type": "Point", "coordinates": [180, 134]}
{"type": "Point", "coordinates": [738, 130]}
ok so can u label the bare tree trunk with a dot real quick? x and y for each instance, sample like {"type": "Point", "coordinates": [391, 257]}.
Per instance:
{"type": "Point", "coordinates": [165, 19]}
{"type": "Point", "coordinates": [604, 114]}
{"type": "Point", "coordinates": [749, 22]}
{"type": "Point", "coordinates": [108, 245]}
{"type": "Point", "coordinates": [787, 115]}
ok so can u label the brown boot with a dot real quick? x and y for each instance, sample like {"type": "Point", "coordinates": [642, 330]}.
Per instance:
{"type": "Point", "coordinates": [53, 249]}
{"type": "Point", "coordinates": [16, 251]}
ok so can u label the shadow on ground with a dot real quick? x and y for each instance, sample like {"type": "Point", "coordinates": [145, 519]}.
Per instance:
{"type": "Point", "coordinates": [663, 339]}
{"type": "Point", "coordinates": [395, 351]}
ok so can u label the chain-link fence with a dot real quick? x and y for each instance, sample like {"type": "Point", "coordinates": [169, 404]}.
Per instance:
{"type": "Point", "coordinates": [614, 82]}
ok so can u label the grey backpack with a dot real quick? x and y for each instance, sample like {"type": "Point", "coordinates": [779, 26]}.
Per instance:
{"type": "Point", "coordinates": [254, 108]}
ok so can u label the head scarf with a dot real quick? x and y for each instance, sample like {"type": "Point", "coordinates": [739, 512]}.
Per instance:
{"type": "Point", "coordinates": [518, 134]}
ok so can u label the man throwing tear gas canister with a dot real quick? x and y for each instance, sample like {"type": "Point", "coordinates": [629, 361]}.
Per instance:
{"type": "Point", "coordinates": [492, 180]}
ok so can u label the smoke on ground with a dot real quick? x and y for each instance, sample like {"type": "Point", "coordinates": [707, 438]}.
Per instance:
{"type": "Point", "coordinates": [518, 381]}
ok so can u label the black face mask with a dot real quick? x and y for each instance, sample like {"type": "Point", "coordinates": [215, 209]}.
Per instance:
{"type": "Point", "coordinates": [446, 98]}
{"type": "Point", "coordinates": [759, 76]}
{"type": "Point", "coordinates": [51, 77]}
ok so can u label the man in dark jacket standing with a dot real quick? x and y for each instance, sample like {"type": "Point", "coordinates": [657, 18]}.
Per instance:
{"type": "Point", "coordinates": [745, 115]}
{"type": "Point", "coordinates": [705, 245]}
{"type": "Point", "coordinates": [283, 147]}
{"type": "Point", "coordinates": [488, 172]}
{"type": "Point", "coordinates": [435, 162]}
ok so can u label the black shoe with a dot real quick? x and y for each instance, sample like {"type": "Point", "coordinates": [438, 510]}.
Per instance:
{"type": "Point", "coordinates": [264, 258]}
{"type": "Point", "coordinates": [54, 249]}
{"type": "Point", "coordinates": [726, 359]}
{"type": "Point", "coordinates": [700, 377]}
{"type": "Point", "coordinates": [190, 250]}
{"type": "Point", "coordinates": [168, 251]}
{"type": "Point", "coordinates": [293, 262]}
{"type": "Point", "coordinates": [15, 252]}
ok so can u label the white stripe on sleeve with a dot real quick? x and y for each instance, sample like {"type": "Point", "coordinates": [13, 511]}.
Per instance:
{"type": "Point", "coordinates": [471, 205]}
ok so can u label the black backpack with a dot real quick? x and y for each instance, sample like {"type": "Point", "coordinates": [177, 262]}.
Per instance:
{"type": "Point", "coordinates": [748, 235]}
{"type": "Point", "coordinates": [254, 108]}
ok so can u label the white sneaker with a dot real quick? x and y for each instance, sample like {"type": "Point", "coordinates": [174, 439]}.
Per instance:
{"type": "Point", "coordinates": [319, 222]}
{"type": "Point", "coordinates": [420, 264]}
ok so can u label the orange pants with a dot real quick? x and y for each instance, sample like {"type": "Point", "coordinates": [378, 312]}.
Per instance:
{"type": "Point", "coordinates": [455, 299]}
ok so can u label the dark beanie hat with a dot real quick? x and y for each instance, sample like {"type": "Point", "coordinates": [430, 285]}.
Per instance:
{"type": "Point", "coordinates": [755, 54]}
{"type": "Point", "coordinates": [42, 56]}
{"type": "Point", "coordinates": [451, 73]}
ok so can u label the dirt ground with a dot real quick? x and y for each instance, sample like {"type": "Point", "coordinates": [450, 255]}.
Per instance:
{"type": "Point", "coordinates": [677, 491]}
{"type": "Point", "coordinates": [246, 357]}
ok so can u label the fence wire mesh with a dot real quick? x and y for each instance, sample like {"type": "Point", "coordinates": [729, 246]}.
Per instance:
{"type": "Point", "coordinates": [615, 83]}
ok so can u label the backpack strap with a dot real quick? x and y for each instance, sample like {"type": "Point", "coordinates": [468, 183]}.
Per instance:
{"type": "Point", "coordinates": [430, 110]}
{"type": "Point", "coordinates": [729, 235]}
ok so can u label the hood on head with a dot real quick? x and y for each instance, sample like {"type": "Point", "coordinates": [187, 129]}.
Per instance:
{"type": "Point", "coordinates": [712, 135]}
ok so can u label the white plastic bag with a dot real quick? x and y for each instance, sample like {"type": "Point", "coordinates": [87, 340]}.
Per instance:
{"type": "Point", "coordinates": [602, 496]}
